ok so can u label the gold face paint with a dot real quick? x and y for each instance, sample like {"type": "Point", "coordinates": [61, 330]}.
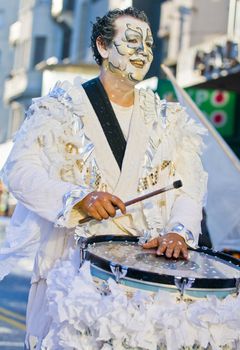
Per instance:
{"type": "Point", "coordinates": [130, 55]}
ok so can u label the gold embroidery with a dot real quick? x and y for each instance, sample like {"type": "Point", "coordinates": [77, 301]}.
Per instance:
{"type": "Point", "coordinates": [71, 148]}
{"type": "Point", "coordinates": [103, 187]}
{"type": "Point", "coordinates": [149, 180]}
{"type": "Point", "coordinates": [165, 163]}
{"type": "Point", "coordinates": [152, 178]}
{"type": "Point", "coordinates": [172, 169]}
{"type": "Point", "coordinates": [66, 173]}
{"type": "Point", "coordinates": [143, 184]}
{"type": "Point", "coordinates": [97, 180]}
{"type": "Point", "coordinates": [87, 177]}
{"type": "Point", "coordinates": [96, 176]}
{"type": "Point", "coordinates": [80, 164]}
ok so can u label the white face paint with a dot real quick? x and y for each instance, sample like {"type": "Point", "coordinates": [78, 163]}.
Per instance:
{"type": "Point", "coordinates": [130, 55]}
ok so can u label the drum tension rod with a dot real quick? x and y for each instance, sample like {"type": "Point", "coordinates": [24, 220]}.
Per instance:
{"type": "Point", "coordinates": [118, 270]}
{"type": "Point", "coordinates": [82, 242]}
{"type": "Point", "coordinates": [237, 286]}
{"type": "Point", "coordinates": [183, 283]}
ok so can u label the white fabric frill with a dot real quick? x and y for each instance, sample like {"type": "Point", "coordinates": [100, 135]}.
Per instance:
{"type": "Point", "coordinates": [21, 242]}
{"type": "Point", "coordinates": [54, 123]}
{"type": "Point", "coordinates": [86, 318]}
{"type": "Point", "coordinates": [177, 138]}
{"type": "Point", "coordinates": [187, 150]}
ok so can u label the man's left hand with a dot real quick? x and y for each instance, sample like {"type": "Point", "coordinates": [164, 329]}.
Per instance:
{"type": "Point", "coordinates": [171, 244]}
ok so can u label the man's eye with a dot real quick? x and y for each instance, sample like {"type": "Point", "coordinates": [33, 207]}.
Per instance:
{"type": "Point", "coordinates": [149, 45]}
{"type": "Point", "coordinates": [132, 41]}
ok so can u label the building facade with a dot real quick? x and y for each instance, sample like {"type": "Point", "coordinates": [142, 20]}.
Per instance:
{"type": "Point", "coordinates": [185, 23]}
{"type": "Point", "coordinates": [34, 37]}
{"type": "Point", "coordinates": [57, 32]}
{"type": "Point", "coordinates": [8, 15]}
{"type": "Point", "coordinates": [202, 45]}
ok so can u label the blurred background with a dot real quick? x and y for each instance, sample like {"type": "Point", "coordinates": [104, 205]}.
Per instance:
{"type": "Point", "coordinates": [42, 41]}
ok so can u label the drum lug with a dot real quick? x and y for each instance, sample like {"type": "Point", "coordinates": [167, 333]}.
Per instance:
{"type": "Point", "coordinates": [82, 242]}
{"type": "Point", "coordinates": [182, 283]}
{"type": "Point", "coordinates": [237, 286]}
{"type": "Point", "coordinates": [118, 270]}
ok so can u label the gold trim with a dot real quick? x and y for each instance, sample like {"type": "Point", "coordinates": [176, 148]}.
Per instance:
{"type": "Point", "coordinates": [71, 148]}
{"type": "Point", "coordinates": [151, 179]}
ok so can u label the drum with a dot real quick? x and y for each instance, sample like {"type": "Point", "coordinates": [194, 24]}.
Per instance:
{"type": "Point", "coordinates": [143, 301]}
{"type": "Point", "coordinates": [206, 272]}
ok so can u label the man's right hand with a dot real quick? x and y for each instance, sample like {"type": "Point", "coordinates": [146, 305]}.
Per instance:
{"type": "Point", "coordinates": [101, 205]}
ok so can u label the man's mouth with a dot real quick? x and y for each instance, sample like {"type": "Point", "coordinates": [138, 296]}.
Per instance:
{"type": "Point", "coordinates": [137, 63]}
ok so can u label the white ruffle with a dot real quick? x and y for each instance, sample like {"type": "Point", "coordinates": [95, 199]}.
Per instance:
{"type": "Point", "coordinates": [21, 242]}
{"type": "Point", "coordinates": [55, 123]}
{"type": "Point", "coordinates": [177, 138]}
{"type": "Point", "coordinates": [69, 217]}
{"type": "Point", "coordinates": [146, 102]}
{"type": "Point", "coordinates": [186, 137]}
{"type": "Point", "coordinates": [85, 318]}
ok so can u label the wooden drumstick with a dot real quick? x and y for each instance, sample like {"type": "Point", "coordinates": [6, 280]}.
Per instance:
{"type": "Point", "coordinates": [175, 184]}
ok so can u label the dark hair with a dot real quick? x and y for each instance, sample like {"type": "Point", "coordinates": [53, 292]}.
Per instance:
{"type": "Point", "coordinates": [104, 28]}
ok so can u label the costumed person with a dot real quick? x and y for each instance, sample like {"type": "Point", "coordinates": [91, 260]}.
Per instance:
{"type": "Point", "coordinates": [84, 150]}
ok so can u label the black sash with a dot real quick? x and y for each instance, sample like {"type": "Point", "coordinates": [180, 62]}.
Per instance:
{"type": "Point", "coordinates": [107, 118]}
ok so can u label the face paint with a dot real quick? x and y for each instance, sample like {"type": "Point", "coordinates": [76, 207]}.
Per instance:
{"type": "Point", "coordinates": [131, 52]}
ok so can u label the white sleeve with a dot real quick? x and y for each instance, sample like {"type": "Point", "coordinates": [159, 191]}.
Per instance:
{"type": "Point", "coordinates": [187, 207]}
{"type": "Point", "coordinates": [188, 212]}
{"type": "Point", "coordinates": [30, 184]}
{"type": "Point", "coordinates": [33, 170]}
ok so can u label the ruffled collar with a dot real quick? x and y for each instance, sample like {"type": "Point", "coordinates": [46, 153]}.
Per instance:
{"type": "Point", "coordinates": [69, 95]}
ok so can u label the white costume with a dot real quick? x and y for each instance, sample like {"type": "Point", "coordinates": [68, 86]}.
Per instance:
{"type": "Point", "coordinates": [61, 154]}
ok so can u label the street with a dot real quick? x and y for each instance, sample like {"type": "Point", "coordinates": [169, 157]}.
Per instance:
{"type": "Point", "coordinates": [13, 299]}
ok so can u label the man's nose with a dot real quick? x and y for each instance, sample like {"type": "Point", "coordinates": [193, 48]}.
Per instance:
{"type": "Point", "coordinates": [142, 49]}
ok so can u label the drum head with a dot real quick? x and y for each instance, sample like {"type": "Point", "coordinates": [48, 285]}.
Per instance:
{"type": "Point", "coordinates": [209, 269]}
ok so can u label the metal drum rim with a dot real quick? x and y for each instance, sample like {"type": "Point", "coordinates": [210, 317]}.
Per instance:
{"type": "Point", "coordinates": [153, 277]}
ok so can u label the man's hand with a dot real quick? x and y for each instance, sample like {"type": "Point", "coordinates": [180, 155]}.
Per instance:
{"type": "Point", "coordinates": [171, 244]}
{"type": "Point", "coordinates": [101, 205]}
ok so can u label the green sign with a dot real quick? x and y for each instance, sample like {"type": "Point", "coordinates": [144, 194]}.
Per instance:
{"type": "Point", "coordinates": [165, 90]}
{"type": "Point", "coordinates": [217, 105]}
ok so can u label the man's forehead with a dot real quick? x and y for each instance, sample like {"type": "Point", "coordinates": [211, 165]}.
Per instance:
{"type": "Point", "coordinates": [127, 22]}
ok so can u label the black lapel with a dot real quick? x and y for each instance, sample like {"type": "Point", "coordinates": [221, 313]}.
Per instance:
{"type": "Point", "coordinates": [107, 118]}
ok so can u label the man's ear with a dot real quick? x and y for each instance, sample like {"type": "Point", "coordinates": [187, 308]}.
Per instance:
{"type": "Point", "coordinates": [102, 47]}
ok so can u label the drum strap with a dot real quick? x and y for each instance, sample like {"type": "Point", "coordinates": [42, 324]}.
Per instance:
{"type": "Point", "coordinates": [107, 118]}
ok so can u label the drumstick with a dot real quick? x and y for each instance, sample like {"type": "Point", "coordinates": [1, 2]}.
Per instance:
{"type": "Point", "coordinates": [175, 184]}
